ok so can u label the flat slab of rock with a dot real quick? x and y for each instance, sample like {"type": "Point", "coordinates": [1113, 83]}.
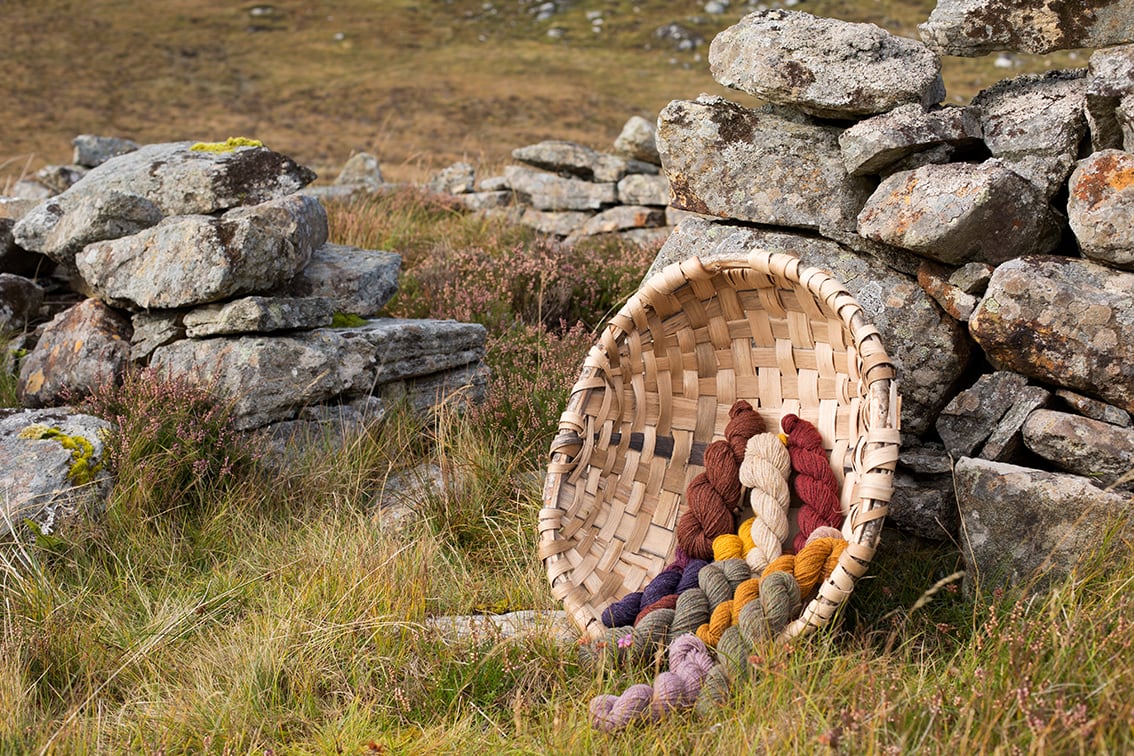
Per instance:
{"type": "Point", "coordinates": [20, 300]}
{"type": "Point", "coordinates": [1100, 452]}
{"type": "Point", "coordinates": [1065, 321]}
{"type": "Point", "coordinates": [1034, 123]}
{"type": "Point", "coordinates": [826, 67]}
{"type": "Point", "coordinates": [198, 259]}
{"type": "Point", "coordinates": [153, 329]}
{"type": "Point", "coordinates": [272, 378]}
{"type": "Point", "coordinates": [560, 156]}
{"type": "Point", "coordinates": [934, 279]}
{"type": "Point", "coordinates": [1100, 207]}
{"type": "Point", "coordinates": [258, 315]}
{"type": "Point", "coordinates": [928, 348]}
{"type": "Point", "coordinates": [959, 212]}
{"type": "Point", "coordinates": [1110, 79]}
{"type": "Point", "coordinates": [621, 218]}
{"type": "Point", "coordinates": [50, 467]}
{"type": "Point", "coordinates": [1006, 442]}
{"type": "Point", "coordinates": [556, 224]}
{"type": "Point", "coordinates": [726, 160]}
{"type": "Point", "coordinates": [1094, 409]}
{"type": "Point", "coordinates": [973, 414]}
{"type": "Point", "coordinates": [548, 191]}
{"type": "Point", "coordinates": [1020, 524]}
{"type": "Point", "coordinates": [83, 347]}
{"type": "Point", "coordinates": [61, 228]}
{"type": "Point", "coordinates": [971, 28]}
{"type": "Point", "coordinates": [637, 141]}
{"type": "Point", "coordinates": [358, 281]}
{"type": "Point", "coordinates": [873, 145]}
{"type": "Point", "coordinates": [642, 189]}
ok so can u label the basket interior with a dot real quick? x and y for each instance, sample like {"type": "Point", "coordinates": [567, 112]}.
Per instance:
{"type": "Point", "coordinates": [656, 389]}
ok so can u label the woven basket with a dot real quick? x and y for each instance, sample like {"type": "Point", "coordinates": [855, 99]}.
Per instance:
{"type": "Point", "coordinates": [656, 389]}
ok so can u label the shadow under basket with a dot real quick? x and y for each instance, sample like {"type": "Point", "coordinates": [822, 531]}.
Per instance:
{"type": "Point", "coordinates": [655, 390]}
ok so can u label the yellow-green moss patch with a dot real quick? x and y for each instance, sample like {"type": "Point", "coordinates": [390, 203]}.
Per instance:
{"type": "Point", "coordinates": [82, 471]}
{"type": "Point", "coordinates": [227, 145]}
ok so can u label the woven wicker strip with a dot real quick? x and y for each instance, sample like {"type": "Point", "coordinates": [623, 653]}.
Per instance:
{"type": "Point", "coordinates": [655, 390]}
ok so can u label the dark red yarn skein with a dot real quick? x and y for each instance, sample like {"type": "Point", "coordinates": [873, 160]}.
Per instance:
{"type": "Point", "coordinates": [713, 495]}
{"type": "Point", "coordinates": [813, 480]}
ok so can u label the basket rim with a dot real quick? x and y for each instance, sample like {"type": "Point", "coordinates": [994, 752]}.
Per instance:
{"type": "Point", "coordinates": [874, 454]}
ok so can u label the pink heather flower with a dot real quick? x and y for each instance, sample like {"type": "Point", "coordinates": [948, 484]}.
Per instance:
{"type": "Point", "coordinates": [626, 641]}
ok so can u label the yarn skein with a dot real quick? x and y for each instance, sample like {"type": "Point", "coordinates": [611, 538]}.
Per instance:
{"type": "Point", "coordinates": [814, 482]}
{"type": "Point", "coordinates": [765, 470]}
{"type": "Point", "coordinates": [713, 495]}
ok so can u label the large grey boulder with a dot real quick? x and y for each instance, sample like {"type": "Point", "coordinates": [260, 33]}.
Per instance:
{"type": "Point", "coordinates": [358, 281]}
{"type": "Point", "coordinates": [1020, 525]}
{"type": "Point", "coordinates": [573, 159]}
{"type": "Point", "coordinates": [258, 315]}
{"type": "Point", "coordinates": [1065, 321]}
{"type": "Point", "coordinates": [548, 191]}
{"type": "Point", "coordinates": [928, 348]}
{"type": "Point", "coordinates": [1101, 452]}
{"type": "Point", "coordinates": [271, 378]}
{"type": "Point", "coordinates": [973, 28]}
{"type": "Point", "coordinates": [20, 300]}
{"type": "Point", "coordinates": [1110, 78]}
{"type": "Point", "coordinates": [140, 187]}
{"type": "Point", "coordinates": [1100, 207]}
{"type": "Point", "coordinates": [960, 212]}
{"type": "Point", "coordinates": [197, 259]}
{"type": "Point", "coordinates": [826, 67]}
{"type": "Point", "coordinates": [872, 146]}
{"type": "Point", "coordinates": [726, 160]}
{"type": "Point", "coordinates": [82, 348]}
{"type": "Point", "coordinates": [1034, 123]}
{"type": "Point", "coordinates": [50, 468]}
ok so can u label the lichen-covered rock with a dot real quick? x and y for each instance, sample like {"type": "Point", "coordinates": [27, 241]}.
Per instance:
{"type": "Point", "coordinates": [1006, 443]}
{"type": "Point", "coordinates": [555, 224]}
{"type": "Point", "coordinates": [1020, 524]}
{"type": "Point", "coordinates": [271, 378]}
{"type": "Point", "coordinates": [61, 229]}
{"type": "Point", "coordinates": [823, 66]}
{"type": "Point", "coordinates": [934, 280]}
{"type": "Point", "coordinates": [1065, 321]}
{"type": "Point", "coordinates": [258, 315]}
{"type": "Point", "coordinates": [726, 160]}
{"type": "Point", "coordinates": [153, 329]}
{"type": "Point", "coordinates": [51, 468]}
{"type": "Point", "coordinates": [1110, 78]}
{"type": "Point", "coordinates": [928, 348]}
{"type": "Point", "coordinates": [197, 259]}
{"type": "Point", "coordinates": [621, 218]}
{"type": "Point", "coordinates": [643, 189]}
{"type": "Point", "coordinates": [972, 28]}
{"type": "Point", "coordinates": [872, 146]}
{"type": "Point", "coordinates": [361, 171]}
{"type": "Point", "coordinates": [20, 300]}
{"type": "Point", "coordinates": [973, 414]}
{"type": "Point", "coordinates": [1100, 207]}
{"type": "Point", "coordinates": [571, 158]}
{"type": "Point", "coordinates": [92, 151]}
{"type": "Point", "coordinates": [1098, 451]}
{"type": "Point", "coordinates": [637, 141]}
{"type": "Point", "coordinates": [1034, 123]}
{"type": "Point", "coordinates": [959, 212]}
{"type": "Point", "coordinates": [547, 191]}
{"type": "Point", "coordinates": [358, 281]}
{"type": "Point", "coordinates": [82, 348]}
{"type": "Point", "coordinates": [1094, 409]}
{"type": "Point", "coordinates": [458, 178]}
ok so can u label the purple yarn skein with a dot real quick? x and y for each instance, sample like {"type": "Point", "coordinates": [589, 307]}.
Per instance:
{"type": "Point", "coordinates": [623, 611]}
{"type": "Point", "coordinates": [689, 576]}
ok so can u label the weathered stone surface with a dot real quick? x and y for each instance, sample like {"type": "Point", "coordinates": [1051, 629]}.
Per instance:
{"type": "Point", "coordinates": [972, 28]}
{"type": "Point", "coordinates": [1018, 523]}
{"type": "Point", "coordinates": [642, 189]}
{"type": "Point", "coordinates": [558, 224]}
{"type": "Point", "coordinates": [1034, 123]}
{"type": "Point", "coordinates": [494, 184]}
{"type": "Point", "coordinates": [1110, 77]}
{"type": "Point", "coordinates": [359, 281]}
{"type": "Point", "coordinates": [41, 479]}
{"type": "Point", "coordinates": [959, 212]}
{"type": "Point", "coordinates": [638, 141]}
{"type": "Point", "coordinates": [81, 348]}
{"type": "Point", "coordinates": [826, 67]}
{"type": "Point", "coordinates": [154, 329]}
{"type": "Point", "coordinates": [924, 505]}
{"type": "Point", "coordinates": [574, 159]}
{"type": "Point", "coordinates": [928, 348]}
{"type": "Point", "coordinates": [20, 300]}
{"type": "Point", "coordinates": [271, 378]}
{"type": "Point", "coordinates": [258, 315]}
{"type": "Point", "coordinates": [933, 278]}
{"type": "Point", "coordinates": [547, 191]}
{"type": "Point", "coordinates": [1065, 321]}
{"type": "Point", "coordinates": [487, 200]}
{"type": "Point", "coordinates": [92, 151]}
{"type": "Point", "coordinates": [61, 229]}
{"type": "Point", "coordinates": [14, 208]}
{"type": "Point", "coordinates": [60, 178]}
{"type": "Point", "coordinates": [1094, 409]}
{"type": "Point", "coordinates": [198, 259]}
{"type": "Point", "coordinates": [1098, 451]}
{"type": "Point", "coordinates": [1100, 207]}
{"type": "Point", "coordinates": [458, 178]}
{"type": "Point", "coordinates": [973, 414]}
{"type": "Point", "coordinates": [873, 145]}
{"type": "Point", "coordinates": [1125, 116]}
{"type": "Point", "coordinates": [30, 189]}
{"type": "Point", "coordinates": [361, 171]}
{"type": "Point", "coordinates": [621, 218]}
{"type": "Point", "coordinates": [17, 260]}
{"type": "Point", "coordinates": [1006, 441]}
{"type": "Point", "coordinates": [726, 160]}
{"type": "Point", "coordinates": [972, 278]}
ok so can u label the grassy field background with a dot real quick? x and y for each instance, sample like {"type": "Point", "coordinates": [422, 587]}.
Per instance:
{"type": "Point", "coordinates": [420, 85]}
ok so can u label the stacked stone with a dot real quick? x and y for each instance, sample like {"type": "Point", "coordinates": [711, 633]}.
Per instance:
{"type": "Point", "coordinates": [208, 263]}
{"type": "Point", "coordinates": [991, 244]}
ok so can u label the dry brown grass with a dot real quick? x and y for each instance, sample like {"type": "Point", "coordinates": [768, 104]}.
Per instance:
{"type": "Point", "coordinates": [420, 85]}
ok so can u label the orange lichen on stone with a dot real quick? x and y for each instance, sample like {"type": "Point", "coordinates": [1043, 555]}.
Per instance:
{"type": "Point", "coordinates": [1110, 173]}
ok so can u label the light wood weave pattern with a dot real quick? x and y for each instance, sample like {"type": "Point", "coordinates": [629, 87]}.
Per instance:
{"type": "Point", "coordinates": [656, 389]}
